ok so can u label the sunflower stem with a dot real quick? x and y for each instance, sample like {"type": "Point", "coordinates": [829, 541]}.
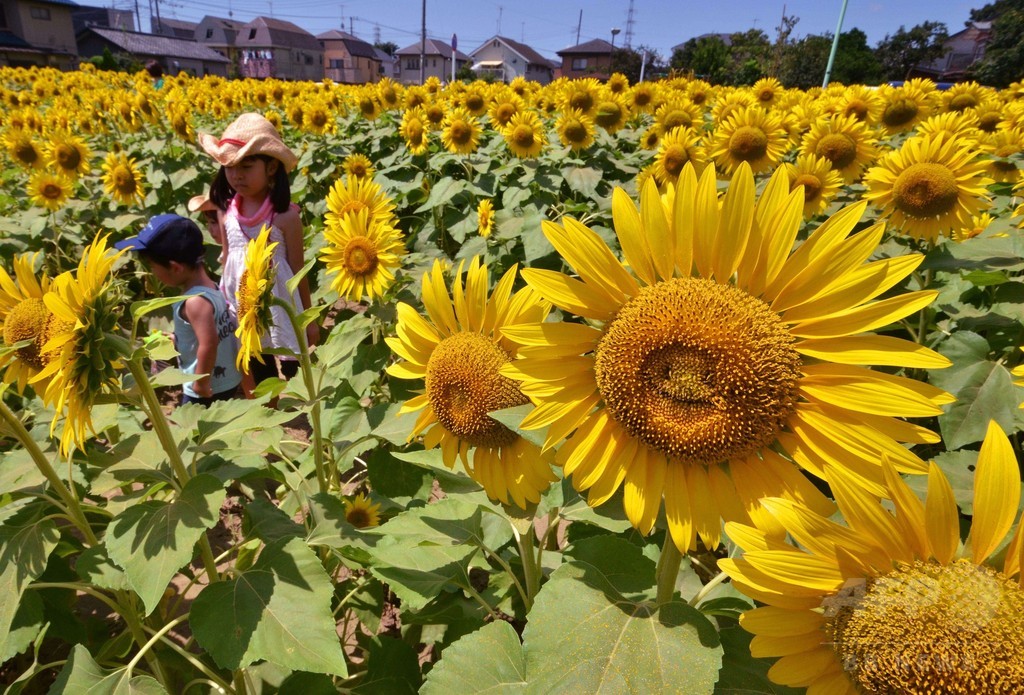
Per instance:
{"type": "Point", "coordinates": [74, 507]}
{"type": "Point", "coordinates": [151, 404]}
{"type": "Point", "coordinates": [307, 377]}
{"type": "Point", "coordinates": [526, 542]}
{"type": "Point", "coordinates": [668, 569]}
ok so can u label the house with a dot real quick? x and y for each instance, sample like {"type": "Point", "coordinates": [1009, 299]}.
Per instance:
{"type": "Point", "coordinates": [963, 49]}
{"type": "Point", "coordinates": [590, 59]}
{"type": "Point", "coordinates": [506, 59]}
{"type": "Point", "coordinates": [389, 65]}
{"type": "Point", "coordinates": [220, 35]}
{"type": "Point", "coordinates": [175, 55]}
{"type": "Point", "coordinates": [275, 48]}
{"type": "Point", "coordinates": [348, 59]}
{"type": "Point", "coordinates": [87, 16]}
{"type": "Point", "coordinates": [37, 32]}
{"type": "Point", "coordinates": [173, 27]}
{"type": "Point", "coordinates": [438, 61]}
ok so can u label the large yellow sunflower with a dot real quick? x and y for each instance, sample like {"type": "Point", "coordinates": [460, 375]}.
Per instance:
{"type": "Point", "coordinates": [752, 136]}
{"type": "Point", "coordinates": [504, 107]}
{"type": "Point", "coordinates": [23, 316]}
{"type": "Point", "coordinates": [23, 148]}
{"type": "Point", "coordinates": [460, 133]}
{"type": "Point", "coordinates": [458, 353]}
{"type": "Point", "coordinates": [363, 252]}
{"type": "Point", "coordinates": [48, 190]}
{"type": "Point", "coordinates": [122, 180]}
{"type": "Point", "coordinates": [712, 348]}
{"type": "Point", "coordinates": [612, 111]}
{"type": "Point", "coordinates": [844, 141]}
{"type": "Point", "coordinates": [360, 512]}
{"type": "Point", "coordinates": [68, 154]}
{"type": "Point", "coordinates": [414, 129]}
{"type": "Point", "coordinates": [681, 146]}
{"type": "Point", "coordinates": [352, 194]}
{"type": "Point", "coordinates": [930, 186]}
{"type": "Point", "coordinates": [358, 166]}
{"type": "Point", "coordinates": [905, 107]}
{"type": "Point", "coordinates": [255, 298]}
{"type": "Point", "coordinates": [820, 182]}
{"type": "Point", "coordinates": [891, 603]}
{"type": "Point", "coordinates": [575, 129]}
{"type": "Point", "coordinates": [525, 134]}
{"type": "Point", "coordinates": [81, 363]}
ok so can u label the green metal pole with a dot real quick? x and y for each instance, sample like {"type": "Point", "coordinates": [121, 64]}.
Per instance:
{"type": "Point", "coordinates": [835, 45]}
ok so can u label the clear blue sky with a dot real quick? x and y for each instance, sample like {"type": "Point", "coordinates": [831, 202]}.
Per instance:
{"type": "Point", "coordinates": [550, 25]}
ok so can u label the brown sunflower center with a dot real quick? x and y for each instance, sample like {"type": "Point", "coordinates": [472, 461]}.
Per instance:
{"type": "Point", "coordinates": [26, 152]}
{"type": "Point", "coordinates": [523, 136]}
{"type": "Point", "coordinates": [674, 159]}
{"type": "Point", "coordinates": [504, 113]}
{"type": "Point", "coordinates": [357, 169]}
{"type": "Point", "coordinates": [748, 143]}
{"type": "Point", "coordinates": [676, 118]}
{"type": "Point", "coordinates": [460, 133]}
{"type": "Point", "coordinates": [838, 148]}
{"type": "Point", "coordinates": [354, 205]}
{"type": "Point", "coordinates": [435, 114]}
{"type": "Point", "coordinates": [766, 95]}
{"type": "Point", "coordinates": [245, 296]}
{"type": "Point", "coordinates": [989, 121]}
{"type": "Point", "coordinates": [463, 385]}
{"type": "Point", "coordinates": [609, 114]}
{"type": "Point", "coordinates": [51, 191]}
{"type": "Point", "coordinates": [68, 157]}
{"type": "Point", "coordinates": [27, 321]}
{"type": "Point", "coordinates": [360, 256]}
{"type": "Point", "coordinates": [811, 184]}
{"type": "Point", "coordinates": [925, 189]}
{"type": "Point", "coordinates": [318, 118]}
{"type": "Point", "coordinates": [367, 107]}
{"type": "Point", "coordinates": [700, 371]}
{"type": "Point", "coordinates": [474, 102]}
{"type": "Point", "coordinates": [962, 102]}
{"type": "Point", "coordinates": [900, 112]}
{"type": "Point", "coordinates": [575, 132]}
{"type": "Point", "coordinates": [124, 180]}
{"type": "Point", "coordinates": [358, 517]}
{"type": "Point", "coordinates": [929, 628]}
{"type": "Point", "coordinates": [856, 108]}
{"type": "Point", "coordinates": [583, 101]}
{"type": "Point", "coordinates": [641, 97]}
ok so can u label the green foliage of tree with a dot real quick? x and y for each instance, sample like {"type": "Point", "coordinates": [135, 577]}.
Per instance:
{"type": "Point", "coordinates": [804, 61]}
{"type": "Point", "coordinates": [706, 57]}
{"type": "Point", "coordinates": [388, 47]}
{"type": "Point", "coordinates": [751, 56]}
{"type": "Point", "coordinates": [741, 62]}
{"type": "Point", "coordinates": [900, 52]}
{"type": "Point", "coordinates": [629, 60]}
{"type": "Point", "coordinates": [1004, 56]}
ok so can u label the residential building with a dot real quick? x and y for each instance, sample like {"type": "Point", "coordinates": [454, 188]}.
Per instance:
{"type": "Point", "coordinates": [275, 48]}
{"type": "Point", "coordinates": [505, 59]}
{"type": "Point", "coordinates": [963, 49]}
{"type": "Point", "coordinates": [589, 59]}
{"type": "Point", "coordinates": [389, 65]}
{"type": "Point", "coordinates": [87, 16]}
{"type": "Point", "coordinates": [220, 34]}
{"type": "Point", "coordinates": [438, 61]}
{"type": "Point", "coordinates": [173, 27]}
{"type": "Point", "coordinates": [37, 32]}
{"type": "Point", "coordinates": [175, 55]}
{"type": "Point", "coordinates": [348, 59]}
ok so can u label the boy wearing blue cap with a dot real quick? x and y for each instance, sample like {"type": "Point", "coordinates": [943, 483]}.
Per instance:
{"type": "Point", "coordinates": [204, 329]}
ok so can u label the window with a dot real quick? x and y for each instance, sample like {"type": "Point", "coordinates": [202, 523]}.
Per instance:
{"type": "Point", "coordinates": [40, 13]}
{"type": "Point", "coordinates": [309, 59]}
{"type": "Point", "coordinates": [579, 63]}
{"type": "Point", "coordinates": [433, 62]}
{"type": "Point", "coordinates": [252, 33]}
{"type": "Point", "coordinates": [209, 33]}
{"type": "Point", "coordinates": [336, 63]}
{"type": "Point", "coordinates": [412, 63]}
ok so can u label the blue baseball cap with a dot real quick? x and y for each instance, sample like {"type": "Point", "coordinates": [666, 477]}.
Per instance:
{"type": "Point", "coordinates": [168, 237]}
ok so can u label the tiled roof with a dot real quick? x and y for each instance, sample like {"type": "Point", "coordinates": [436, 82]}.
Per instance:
{"type": "Point", "coordinates": [526, 52]}
{"type": "Point", "coordinates": [355, 45]}
{"type": "Point", "coordinates": [434, 48]}
{"type": "Point", "coordinates": [9, 40]}
{"type": "Point", "coordinates": [590, 47]}
{"type": "Point", "coordinates": [178, 24]}
{"type": "Point", "coordinates": [282, 33]}
{"type": "Point", "coordinates": [69, 3]}
{"type": "Point", "coordinates": [152, 45]}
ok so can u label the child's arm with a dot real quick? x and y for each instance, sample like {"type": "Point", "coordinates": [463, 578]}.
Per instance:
{"type": "Point", "coordinates": [295, 247]}
{"type": "Point", "coordinates": [198, 311]}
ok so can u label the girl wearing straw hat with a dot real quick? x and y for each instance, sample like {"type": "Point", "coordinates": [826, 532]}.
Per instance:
{"type": "Point", "coordinates": [251, 189]}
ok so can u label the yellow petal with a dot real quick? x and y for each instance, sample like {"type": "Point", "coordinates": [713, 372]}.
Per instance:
{"type": "Point", "coordinates": [570, 294]}
{"type": "Point", "coordinates": [868, 392]}
{"type": "Point", "coordinates": [770, 646]}
{"type": "Point", "coordinates": [996, 493]}
{"type": "Point", "coordinates": [865, 318]}
{"type": "Point", "coordinates": [707, 518]}
{"type": "Point", "coordinates": [941, 517]}
{"type": "Point", "coordinates": [734, 223]}
{"type": "Point", "coordinates": [705, 223]}
{"type": "Point", "coordinates": [800, 670]}
{"type": "Point", "coordinates": [864, 514]}
{"type": "Point", "coordinates": [872, 350]}
{"type": "Point", "coordinates": [795, 568]}
{"type": "Point", "coordinates": [677, 508]}
{"type": "Point", "coordinates": [643, 489]}
{"type": "Point", "coordinates": [632, 234]}
{"type": "Point", "coordinates": [661, 243]}
{"type": "Point", "coordinates": [909, 510]}
{"type": "Point", "coordinates": [683, 220]}
{"type": "Point", "coordinates": [587, 253]}
{"type": "Point", "coordinates": [778, 622]}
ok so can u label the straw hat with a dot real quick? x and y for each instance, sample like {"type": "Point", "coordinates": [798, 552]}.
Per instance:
{"type": "Point", "coordinates": [248, 135]}
{"type": "Point", "coordinates": [200, 203]}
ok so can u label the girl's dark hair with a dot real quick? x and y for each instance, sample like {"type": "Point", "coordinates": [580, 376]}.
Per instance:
{"type": "Point", "coordinates": [221, 191]}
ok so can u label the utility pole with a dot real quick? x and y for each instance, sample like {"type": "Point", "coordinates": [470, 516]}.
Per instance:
{"type": "Point", "coordinates": [350, 18]}
{"type": "Point", "coordinates": [579, 24]}
{"type": "Point", "coordinates": [138, 18]}
{"type": "Point", "coordinates": [158, 22]}
{"type": "Point", "coordinates": [629, 26]}
{"type": "Point", "coordinates": [835, 45]}
{"type": "Point", "coordinates": [423, 45]}
{"type": "Point", "coordinates": [500, 10]}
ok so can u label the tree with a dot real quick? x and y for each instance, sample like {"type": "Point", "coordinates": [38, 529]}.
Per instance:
{"type": "Point", "coordinates": [628, 62]}
{"type": "Point", "coordinates": [1004, 55]}
{"type": "Point", "coordinates": [706, 57]}
{"type": "Point", "coordinates": [804, 61]}
{"type": "Point", "coordinates": [905, 49]}
{"type": "Point", "coordinates": [782, 42]}
{"type": "Point", "coordinates": [388, 47]}
{"type": "Point", "coordinates": [751, 53]}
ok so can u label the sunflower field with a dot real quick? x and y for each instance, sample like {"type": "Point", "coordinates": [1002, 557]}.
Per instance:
{"type": "Point", "coordinates": [666, 387]}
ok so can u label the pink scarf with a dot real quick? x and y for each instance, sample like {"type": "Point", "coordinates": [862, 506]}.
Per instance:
{"type": "Point", "coordinates": [264, 213]}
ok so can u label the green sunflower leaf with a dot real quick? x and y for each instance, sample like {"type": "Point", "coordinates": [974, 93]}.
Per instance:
{"type": "Point", "coordinates": [489, 660]}
{"type": "Point", "coordinates": [81, 674]}
{"type": "Point", "coordinates": [26, 541]}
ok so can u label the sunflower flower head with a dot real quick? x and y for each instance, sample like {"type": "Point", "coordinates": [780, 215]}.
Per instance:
{"type": "Point", "coordinates": [485, 217]}
{"type": "Point", "coordinates": [122, 180]}
{"type": "Point", "coordinates": [23, 148]}
{"type": "Point", "coordinates": [525, 134]}
{"type": "Point", "coordinates": [362, 252]}
{"type": "Point", "coordinates": [69, 155]}
{"type": "Point", "coordinates": [890, 602]}
{"type": "Point", "coordinates": [24, 316]}
{"type": "Point", "coordinates": [712, 368]}
{"type": "Point", "coordinates": [575, 129]}
{"type": "Point", "coordinates": [819, 181]}
{"type": "Point", "coordinates": [255, 298]}
{"type": "Point", "coordinates": [460, 132]}
{"type": "Point", "coordinates": [752, 136]}
{"type": "Point", "coordinates": [48, 190]}
{"type": "Point", "coordinates": [360, 512]}
{"type": "Point", "coordinates": [81, 362]}
{"type": "Point", "coordinates": [459, 351]}
{"type": "Point", "coordinates": [358, 166]}
{"type": "Point", "coordinates": [352, 194]}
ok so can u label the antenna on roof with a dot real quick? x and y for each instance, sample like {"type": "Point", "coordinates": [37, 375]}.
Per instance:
{"type": "Point", "coordinates": [500, 10]}
{"type": "Point", "coordinates": [629, 26]}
